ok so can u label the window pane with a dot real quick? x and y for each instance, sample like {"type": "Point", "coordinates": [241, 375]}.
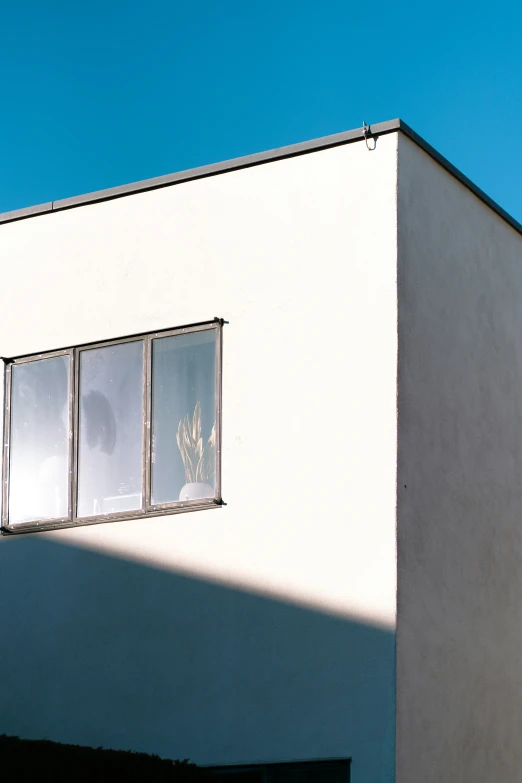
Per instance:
{"type": "Point", "coordinates": [184, 416]}
{"type": "Point", "coordinates": [110, 429]}
{"type": "Point", "coordinates": [39, 440]}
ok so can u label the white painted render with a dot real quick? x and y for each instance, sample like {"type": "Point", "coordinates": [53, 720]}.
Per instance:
{"type": "Point", "coordinates": [459, 626]}
{"type": "Point", "coordinates": [265, 630]}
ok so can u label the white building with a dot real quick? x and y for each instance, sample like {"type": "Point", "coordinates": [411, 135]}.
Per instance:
{"type": "Point", "coordinates": [359, 593]}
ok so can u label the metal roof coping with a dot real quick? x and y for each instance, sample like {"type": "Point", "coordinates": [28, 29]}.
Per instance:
{"type": "Point", "coordinates": [325, 142]}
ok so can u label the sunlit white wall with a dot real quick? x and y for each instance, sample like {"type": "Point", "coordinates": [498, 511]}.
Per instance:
{"type": "Point", "coordinates": [299, 257]}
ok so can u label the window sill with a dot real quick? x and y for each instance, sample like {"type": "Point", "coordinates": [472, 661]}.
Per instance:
{"type": "Point", "coordinates": [180, 508]}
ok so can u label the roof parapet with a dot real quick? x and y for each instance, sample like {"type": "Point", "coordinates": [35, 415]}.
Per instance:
{"type": "Point", "coordinates": [257, 159]}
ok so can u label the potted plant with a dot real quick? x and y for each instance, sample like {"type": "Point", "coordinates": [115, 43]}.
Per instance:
{"type": "Point", "coordinates": [198, 460]}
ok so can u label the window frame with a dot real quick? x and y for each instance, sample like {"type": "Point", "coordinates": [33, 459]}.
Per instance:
{"type": "Point", "coordinates": [147, 508]}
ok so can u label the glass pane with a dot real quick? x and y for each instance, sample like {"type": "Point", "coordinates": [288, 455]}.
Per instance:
{"type": "Point", "coordinates": [110, 429]}
{"type": "Point", "coordinates": [39, 441]}
{"type": "Point", "coordinates": [184, 417]}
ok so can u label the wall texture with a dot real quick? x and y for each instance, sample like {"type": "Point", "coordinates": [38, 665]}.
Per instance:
{"type": "Point", "coordinates": [264, 630]}
{"type": "Point", "coordinates": [459, 628]}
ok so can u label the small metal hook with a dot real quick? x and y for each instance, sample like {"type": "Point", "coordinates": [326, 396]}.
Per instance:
{"type": "Point", "coordinates": [367, 133]}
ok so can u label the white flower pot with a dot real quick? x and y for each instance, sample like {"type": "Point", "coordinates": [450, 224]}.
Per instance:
{"type": "Point", "coordinates": [196, 490]}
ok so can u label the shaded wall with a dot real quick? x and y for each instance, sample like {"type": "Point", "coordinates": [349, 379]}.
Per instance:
{"type": "Point", "coordinates": [459, 694]}
{"type": "Point", "coordinates": [130, 671]}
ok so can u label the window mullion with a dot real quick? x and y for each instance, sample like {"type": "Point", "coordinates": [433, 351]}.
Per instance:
{"type": "Point", "coordinates": [147, 428]}
{"type": "Point", "coordinates": [70, 433]}
{"type": "Point", "coordinates": [6, 440]}
{"type": "Point", "coordinates": [75, 415]}
{"type": "Point", "coordinates": [219, 386]}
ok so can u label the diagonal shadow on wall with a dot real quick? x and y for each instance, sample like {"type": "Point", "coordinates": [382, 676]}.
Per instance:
{"type": "Point", "coordinates": [98, 650]}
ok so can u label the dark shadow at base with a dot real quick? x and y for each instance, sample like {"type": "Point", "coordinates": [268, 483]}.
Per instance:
{"type": "Point", "coordinates": [102, 651]}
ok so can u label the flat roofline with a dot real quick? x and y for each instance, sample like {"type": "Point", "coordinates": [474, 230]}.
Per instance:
{"type": "Point", "coordinates": [326, 142]}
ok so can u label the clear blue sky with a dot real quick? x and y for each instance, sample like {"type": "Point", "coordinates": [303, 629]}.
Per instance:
{"type": "Point", "coordinates": [107, 92]}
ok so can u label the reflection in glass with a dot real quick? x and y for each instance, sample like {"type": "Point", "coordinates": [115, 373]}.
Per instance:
{"type": "Point", "coordinates": [39, 440]}
{"type": "Point", "coordinates": [110, 429]}
{"type": "Point", "coordinates": [183, 417]}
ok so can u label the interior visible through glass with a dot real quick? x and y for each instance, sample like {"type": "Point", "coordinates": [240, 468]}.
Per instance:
{"type": "Point", "coordinates": [110, 429]}
{"type": "Point", "coordinates": [39, 440]}
{"type": "Point", "coordinates": [183, 417]}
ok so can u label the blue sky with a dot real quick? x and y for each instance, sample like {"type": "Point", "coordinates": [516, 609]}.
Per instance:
{"type": "Point", "coordinates": [103, 93]}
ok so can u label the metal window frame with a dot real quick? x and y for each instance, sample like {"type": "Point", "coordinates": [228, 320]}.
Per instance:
{"type": "Point", "coordinates": [147, 509]}
{"type": "Point", "coordinates": [76, 432]}
{"type": "Point", "coordinates": [6, 468]}
{"type": "Point", "coordinates": [153, 507]}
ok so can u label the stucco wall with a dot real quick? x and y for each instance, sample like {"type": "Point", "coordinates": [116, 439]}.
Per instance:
{"type": "Point", "coordinates": [459, 631]}
{"type": "Point", "coordinates": [263, 630]}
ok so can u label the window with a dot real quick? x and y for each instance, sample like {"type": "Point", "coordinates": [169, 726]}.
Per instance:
{"type": "Point", "coordinates": [124, 428]}
{"type": "Point", "coordinates": [331, 771]}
